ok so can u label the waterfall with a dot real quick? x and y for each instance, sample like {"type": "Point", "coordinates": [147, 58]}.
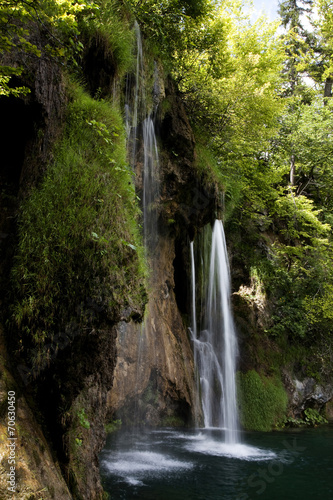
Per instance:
{"type": "Point", "coordinates": [144, 159]}
{"type": "Point", "coordinates": [150, 183]}
{"type": "Point", "coordinates": [140, 126]}
{"type": "Point", "coordinates": [215, 346]}
{"type": "Point", "coordinates": [134, 98]}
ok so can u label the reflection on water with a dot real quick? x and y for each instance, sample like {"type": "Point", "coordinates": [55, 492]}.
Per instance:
{"type": "Point", "coordinates": [165, 464]}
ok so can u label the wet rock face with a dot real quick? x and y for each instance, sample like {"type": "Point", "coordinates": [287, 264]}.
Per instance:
{"type": "Point", "coordinates": [29, 126]}
{"type": "Point", "coordinates": [35, 469]}
{"type": "Point", "coordinates": [153, 380]}
{"type": "Point", "coordinates": [154, 375]}
{"type": "Point", "coordinates": [175, 128]}
{"type": "Point", "coordinates": [82, 372]}
{"type": "Point", "coordinates": [307, 393]}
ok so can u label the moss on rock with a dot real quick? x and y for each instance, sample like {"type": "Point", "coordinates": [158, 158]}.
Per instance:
{"type": "Point", "coordinates": [262, 401]}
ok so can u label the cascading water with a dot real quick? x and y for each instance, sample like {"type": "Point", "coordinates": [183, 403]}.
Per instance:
{"type": "Point", "coordinates": [150, 183]}
{"type": "Point", "coordinates": [215, 346]}
{"type": "Point", "coordinates": [146, 133]}
{"type": "Point", "coordinates": [144, 159]}
{"type": "Point", "coordinates": [132, 111]}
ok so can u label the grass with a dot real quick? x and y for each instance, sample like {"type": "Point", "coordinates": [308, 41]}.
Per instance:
{"type": "Point", "coordinates": [110, 30]}
{"type": "Point", "coordinates": [80, 258]}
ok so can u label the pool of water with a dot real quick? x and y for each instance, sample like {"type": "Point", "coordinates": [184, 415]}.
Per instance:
{"type": "Point", "coordinates": [168, 464]}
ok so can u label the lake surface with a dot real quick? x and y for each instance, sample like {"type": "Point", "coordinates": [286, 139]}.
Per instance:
{"type": "Point", "coordinates": [168, 464]}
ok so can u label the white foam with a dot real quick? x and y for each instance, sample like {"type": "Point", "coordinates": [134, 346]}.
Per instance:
{"type": "Point", "coordinates": [142, 463]}
{"type": "Point", "coordinates": [237, 450]}
{"type": "Point", "coordinates": [189, 437]}
{"type": "Point", "coordinates": [133, 482]}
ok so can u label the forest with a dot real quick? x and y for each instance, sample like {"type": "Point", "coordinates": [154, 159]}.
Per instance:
{"type": "Point", "coordinates": [242, 111]}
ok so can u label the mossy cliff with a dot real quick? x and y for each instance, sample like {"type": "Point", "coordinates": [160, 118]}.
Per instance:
{"type": "Point", "coordinates": [73, 264]}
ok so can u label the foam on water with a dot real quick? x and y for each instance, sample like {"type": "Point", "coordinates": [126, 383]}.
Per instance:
{"type": "Point", "coordinates": [235, 450]}
{"type": "Point", "coordinates": [135, 466]}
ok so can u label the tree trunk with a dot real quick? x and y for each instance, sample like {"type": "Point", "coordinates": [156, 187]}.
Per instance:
{"type": "Point", "coordinates": [292, 170]}
{"type": "Point", "coordinates": [328, 87]}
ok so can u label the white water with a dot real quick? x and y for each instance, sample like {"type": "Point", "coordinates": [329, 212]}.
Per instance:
{"type": "Point", "coordinates": [167, 455]}
{"type": "Point", "coordinates": [144, 159]}
{"type": "Point", "coordinates": [138, 99]}
{"type": "Point", "coordinates": [150, 183]}
{"type": "Point", "coordinates": [215, 346]}
{"type": "Point", "coordinates": [141, 130]}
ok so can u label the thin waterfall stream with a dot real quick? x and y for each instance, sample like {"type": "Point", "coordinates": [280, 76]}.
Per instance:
{"type": "Point", "coordinates": [140, 127]}
{"type": "Point", "coordinates": [150, 183]}
{"type": "Point", "coordinates": [143, 156]}
{"type": "Point", "coordinates": [215, 346]}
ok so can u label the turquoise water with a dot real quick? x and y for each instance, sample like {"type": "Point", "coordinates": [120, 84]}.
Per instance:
{"type": "Point", "coordinates": [168, 464]}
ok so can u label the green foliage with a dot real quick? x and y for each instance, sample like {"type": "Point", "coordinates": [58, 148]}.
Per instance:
{"type": "Point", "coordinates": [165, 23]}
{"type": "Point", "coordinates": [83, 420]}
{"type": "Point", "coordinates": [312, 417]}
{"type": "Point", "coordinates": [79, 257]}
{"type": "Point", "coordinates": [293, 422]}
{"type": "Point", "coordinates": [297, 41]}
{"type": "Point", "coordinates": [19, 19]}
{"type": "Point", "coordinates": [262, 401]}
{"type": "Point", "coordinates": [325, 33]}
{"type": "Point", "coordinates": [172, 421]}
{"type": "Point", "coordinates": [229, 79]}
{"type": "Point", "coordinates": [113, 426]}
{"type": "Point", "coordinates": [78, 442]}
{"type": "Point", "coordinates": [108, 27]}
{"type": "Point", "coordinates": [206, 162]}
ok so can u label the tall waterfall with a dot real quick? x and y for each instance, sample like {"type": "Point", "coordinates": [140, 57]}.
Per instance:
{"type": "Point", "coordinates": [140, 127]}
{"type": "Point", "coordinates": [215, 346]}
{"type": "Point", "coordinates": [144, 159]}
{"type": "Point", "coordinates": [150, 183]}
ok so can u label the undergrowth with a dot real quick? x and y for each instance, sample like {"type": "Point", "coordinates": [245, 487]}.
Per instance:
{"type": "Point", "coordinates": [109, 28]}
{"type": "Point", "coordinates": [79, 260]}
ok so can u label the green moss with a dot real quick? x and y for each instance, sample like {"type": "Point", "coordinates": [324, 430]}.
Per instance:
{"type": "Point", "coordinates": [80, 259]}
{"type": "Point", "coordinates": [83, 419]}
{"type": "Point", "coordinates": [150, 395]}
{"type": "Point", "coordinates": [262, 401]}
{"type": "Point", "coordinates": [113, 426]}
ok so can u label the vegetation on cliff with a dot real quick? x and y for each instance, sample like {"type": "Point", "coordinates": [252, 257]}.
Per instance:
{"type": "Point", "coordinates": [79, 258]}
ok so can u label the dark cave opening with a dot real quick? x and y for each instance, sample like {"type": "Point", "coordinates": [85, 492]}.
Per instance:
{"type": "Point", "coordinates": [17, 129]}
{"type": "Point", "coordinates": [182, 270]}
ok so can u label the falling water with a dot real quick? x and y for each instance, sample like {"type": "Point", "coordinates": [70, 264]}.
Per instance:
{"type": "Point", "coordinates": [140, 127]}
{"type": "Point", "coordinates": [134, 98]}
{"type": "Point", "coordinates": [144, 159]}
{"type": "Point", "coordinates": [194, 332]}
{"type": "Point", "coordinates": [194, 310]}
{"type": "Point", "coordinates": [150, 183]}
{"type": "Point", "coordinates": [215, 346]}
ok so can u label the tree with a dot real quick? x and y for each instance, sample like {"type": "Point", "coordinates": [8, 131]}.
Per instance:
{"type": "Point", "coordinates": [229, 80]}
{"type": "Point", "coordinates": [165, 23]}
{"type": "Point", "coordinates": [297, 40]}
{"type": "Point", "coordinates": [19, 19]}
{"type": "Point", "coordinates": [323, 69]}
